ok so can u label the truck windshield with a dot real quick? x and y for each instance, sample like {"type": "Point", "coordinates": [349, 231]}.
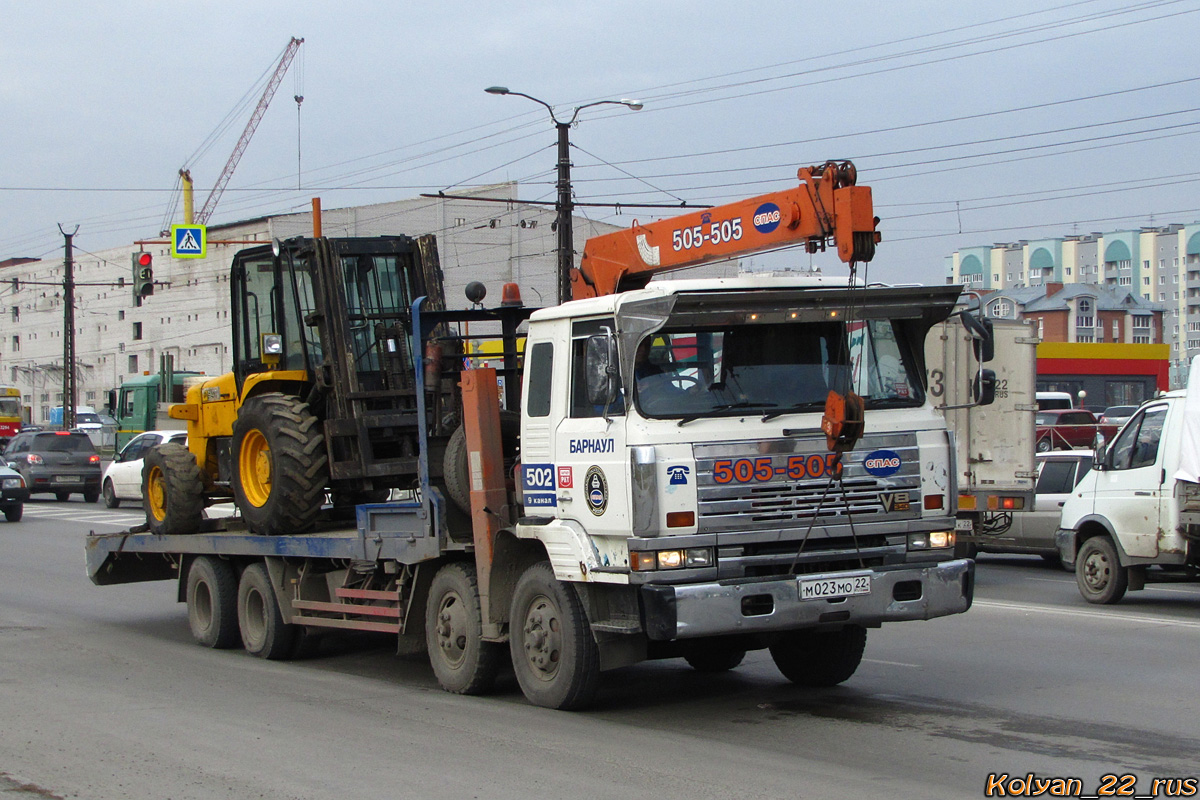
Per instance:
{"type": "Point", "coordinates": [772, 369]}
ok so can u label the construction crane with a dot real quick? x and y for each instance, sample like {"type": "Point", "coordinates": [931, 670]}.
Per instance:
{"type": "Point", "coordinates": [210, 204]}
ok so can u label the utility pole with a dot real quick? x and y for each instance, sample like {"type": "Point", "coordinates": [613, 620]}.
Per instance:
{"type": "Point", "coordinates": [69, 389]}
{"type": "Point", "coordinates": [564, 206]}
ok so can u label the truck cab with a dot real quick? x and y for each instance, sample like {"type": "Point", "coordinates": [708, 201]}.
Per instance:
{"type": "Point", "coordinates": [671, 439]}
{"type": "Point", "coordinates": [1126, 523]}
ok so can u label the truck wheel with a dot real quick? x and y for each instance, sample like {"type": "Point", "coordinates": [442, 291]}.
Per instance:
{"type": "Point", "coordinates": [172, 490]}
{"type": "Point", "coordinates": [1098, 572]}
{"type": "Point", "coordinates": [554, 655]}
{"type": "Point", "coordinates": [264, 633]}
{"type": "Point", "coordinates": [110, 495]}
{"type": "Point", "coordinates": [462, 661]}
{"type": "Point", "coordinates": [716, 659]}
{"type": "Point", "coordinates": [812, 658]}
{"type": "Point", "coordinates": [280, 467]}
{"type": "Point", "coordinates": [455, 470]}
{"type": "Point", "coordinates": [212, 603]}
{"type": "Point", "coordinates": [13, 513]}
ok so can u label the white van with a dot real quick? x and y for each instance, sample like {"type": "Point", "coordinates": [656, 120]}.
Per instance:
{"type": "Point", "coordinates": [1131, 520]}
{"type": "Point", "coordinates": [1052, 400]}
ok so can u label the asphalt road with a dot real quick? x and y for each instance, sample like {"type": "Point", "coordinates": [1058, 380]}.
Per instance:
{"type": "Point", "coordinates": [104, 695]}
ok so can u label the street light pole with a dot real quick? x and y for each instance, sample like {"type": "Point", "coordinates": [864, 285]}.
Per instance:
{"type": "Point", "coordinates": [564, 207]}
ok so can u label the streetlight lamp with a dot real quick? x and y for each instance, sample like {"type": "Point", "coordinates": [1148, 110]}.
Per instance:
{"type": "Point", "coordinates": [563, 206]}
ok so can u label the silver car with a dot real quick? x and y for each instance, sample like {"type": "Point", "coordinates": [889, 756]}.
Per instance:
{"type": "Point", "coordinates": [1032, 531]}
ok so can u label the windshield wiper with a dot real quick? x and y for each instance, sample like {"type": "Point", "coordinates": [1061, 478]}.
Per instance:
{"type": "Point", "coordinates": [723, 407]}
{"type": "Point", "coordinates": [796, 409]}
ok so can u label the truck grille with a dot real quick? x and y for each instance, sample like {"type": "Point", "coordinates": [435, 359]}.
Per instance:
{"type": "Point", "coordinates": [785, 502]}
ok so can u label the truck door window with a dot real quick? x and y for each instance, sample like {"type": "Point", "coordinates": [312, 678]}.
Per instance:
{"type": "Point", "coordinates": [1145, 450]}
{"type": "Point", "coordinates": [1137, 444]}
{"type": "Point", "coordinates": [541, 372]}
{"type": "Point", "coordinates": [580, 406]}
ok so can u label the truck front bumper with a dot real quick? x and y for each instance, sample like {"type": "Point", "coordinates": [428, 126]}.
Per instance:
{"type": "Point", "coordinates": [902, 592]}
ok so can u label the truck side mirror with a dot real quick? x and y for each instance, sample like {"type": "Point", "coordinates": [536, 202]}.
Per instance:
{"type": "Point", "coordinates": [984, 388]}
{"type": "Point", "coordinates": [983, 339]}
{"type": "Point", "coordinates": [1100, 459]}
{"type": "Point", "coordinates": [600, 365]}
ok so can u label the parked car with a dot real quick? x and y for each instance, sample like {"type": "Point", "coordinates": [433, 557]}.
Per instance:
{"type": "Point", "coordinates": [1117, 415]}
{"type": "Point", "coordinates": [123, 478]}
{"type": "Point", "coordinates": [61, 463]}
{"type": "Point", "coordinates": [13, 493]}
{"type": "Point", "coordinates": [1068, 429]}
{"type": "Point", "coordinates": [1032, 530]}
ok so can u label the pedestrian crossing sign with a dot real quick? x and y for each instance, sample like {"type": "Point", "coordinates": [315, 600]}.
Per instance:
{"type": "Point", "coordinates": [189, 241]}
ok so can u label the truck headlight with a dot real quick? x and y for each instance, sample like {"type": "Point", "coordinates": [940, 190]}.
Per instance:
{"type": "Point", "coordinates": [934, 540]}
{"type": "Point", "coordinates": [691, 558]}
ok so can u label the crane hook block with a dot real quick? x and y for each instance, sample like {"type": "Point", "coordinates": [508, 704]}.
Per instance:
{"type": "Point", "coordinates": [842, 421]}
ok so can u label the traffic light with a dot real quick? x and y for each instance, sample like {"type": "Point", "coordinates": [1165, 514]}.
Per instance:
{"type": "Point", "coordinates": [143, 276]}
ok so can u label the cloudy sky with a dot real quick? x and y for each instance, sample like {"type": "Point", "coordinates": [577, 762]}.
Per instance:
{"type": "Point", "coordinates": [973, 122]}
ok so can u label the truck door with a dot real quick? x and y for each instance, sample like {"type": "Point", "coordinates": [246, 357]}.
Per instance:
{"type": "Point", "coordinates": [591, 464]}
{"type": "Point", "coordinates": [1129, 492]}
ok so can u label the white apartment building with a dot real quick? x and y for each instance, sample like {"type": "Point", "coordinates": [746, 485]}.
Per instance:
{"type": "Point", "coordinates": [1159, 264]}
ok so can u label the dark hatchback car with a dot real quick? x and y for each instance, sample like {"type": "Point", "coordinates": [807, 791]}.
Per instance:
{"type": "Point", "coordinates": [61, 463]}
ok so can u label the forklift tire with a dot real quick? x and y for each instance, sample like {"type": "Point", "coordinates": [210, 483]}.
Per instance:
{"type": "Point", "coordinates": [172, 490]}
{"type": "Point", "coordinates": [461, 660]}
{"type": "Point", "coordinates": [280, 467]}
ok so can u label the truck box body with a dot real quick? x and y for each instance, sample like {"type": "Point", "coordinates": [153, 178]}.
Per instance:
{"type": "Point", "coordinates": [994, 444]}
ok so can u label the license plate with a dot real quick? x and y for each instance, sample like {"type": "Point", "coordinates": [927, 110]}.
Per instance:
{"type": "Point", "coordinates": [830, 588]}
{"type": "Point", "coordinates": [66, 479]}
{"type": "Point", "coordinates": [963, 525]}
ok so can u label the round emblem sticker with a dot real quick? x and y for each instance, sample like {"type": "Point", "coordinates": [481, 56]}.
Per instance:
{"type": "Point", "coordinates": [882, 463]}
{"type": "Point", "coordinates": [596, 489]}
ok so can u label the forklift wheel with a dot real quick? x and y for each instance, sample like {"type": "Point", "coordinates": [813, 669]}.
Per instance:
{"type": "Point", "coordinates": [280, 468]}
{"type": "Point", "coordinates": [172, 490]}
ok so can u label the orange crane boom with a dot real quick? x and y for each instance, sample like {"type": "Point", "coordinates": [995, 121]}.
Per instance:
{"type": "Point", "coordinates": [827, 205]}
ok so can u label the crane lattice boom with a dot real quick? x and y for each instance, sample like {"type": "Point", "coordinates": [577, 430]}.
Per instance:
{"type": "Point", "coordinates": [269, 92]}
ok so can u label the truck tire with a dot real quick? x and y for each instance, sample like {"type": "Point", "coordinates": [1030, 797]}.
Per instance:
{"type": "Point", "coordinates": [172, 490]}
{"type": "Point", "coordinates": [461, 660]}
{"type": "Point", "coordinates": [110, 495]}
{"type": "Point", "coordinates": [455, 469]}
{"type": "Point", "coordinates": [820, 658]}
{"type": "Point", "coordinates": [715, 659]}
{"type": "Point", "coordinates": [13, 513]}
{"type": "Point", "coordinates": [280, 467]}
{"type": "Point", "coordinates": [264, 632]}
{"type": "Point", "coordinates": [212, 589]}
{"type": "Point", "coordinates": [1098, 572]}
{"type": "Point", "coordinates": [554, 655]}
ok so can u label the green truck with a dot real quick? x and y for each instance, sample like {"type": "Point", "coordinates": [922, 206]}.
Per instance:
{"type": "Point", "coordinates": [140, 403]}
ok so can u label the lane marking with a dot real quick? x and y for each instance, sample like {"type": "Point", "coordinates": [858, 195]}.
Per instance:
{"type": "Point", "coordinates": [890, 663]}
{"type": "Point", "coordinates": [1149, 586]}
{"type": "Point", "coordinates": [1085, 613]}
